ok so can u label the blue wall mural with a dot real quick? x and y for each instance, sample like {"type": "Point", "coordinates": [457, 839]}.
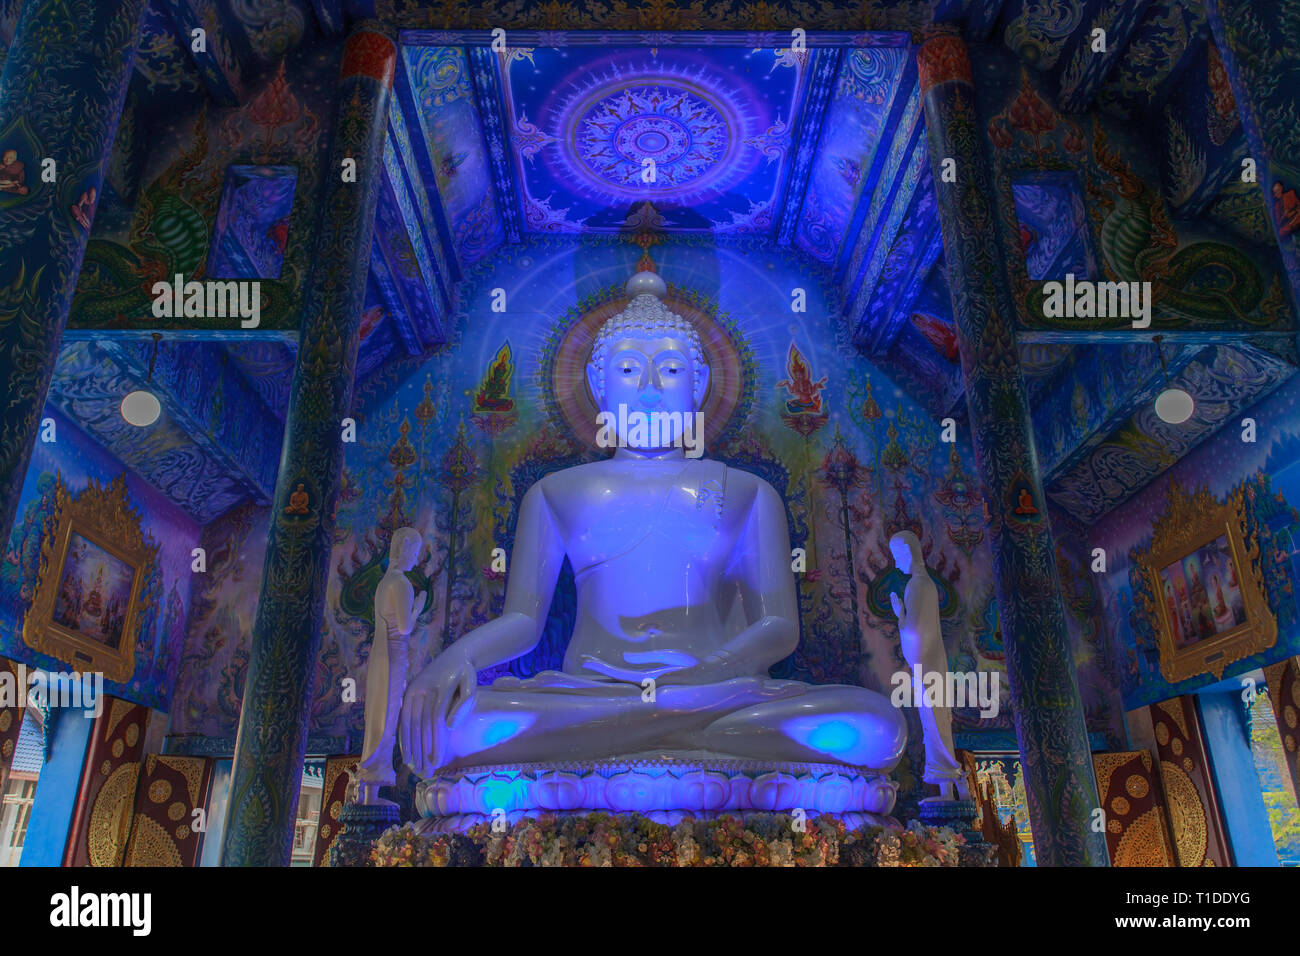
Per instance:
{"type": "Point", "coordinates": [1268, 470]}
{"type": "Point", "coordinates": [75, 458]}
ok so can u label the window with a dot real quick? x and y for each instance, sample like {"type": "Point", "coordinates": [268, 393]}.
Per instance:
{"type": "Point", "coordinates": [1007, 787]}
{"type": "Point", "coordinates": [16, 813]}
{"type": "Point", "coordinates": [1270, 764]}
{"type": "Point", "coordinates": [1053, 225]}
{"type": "Point", "coordinates": [252, 229]}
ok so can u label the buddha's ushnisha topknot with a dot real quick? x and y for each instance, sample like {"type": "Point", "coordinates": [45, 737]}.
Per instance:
{"type": "Point", "coordinates": [645, 316]}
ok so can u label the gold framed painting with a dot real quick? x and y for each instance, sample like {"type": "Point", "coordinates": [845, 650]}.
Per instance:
{"type": "Point", "coordinates": [1203, 569]}
{"type": "Point", "coordinates": [87, 606]}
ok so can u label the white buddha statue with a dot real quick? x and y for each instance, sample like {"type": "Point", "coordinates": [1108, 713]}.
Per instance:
{"type": "Point", "coordinates": [921, 640]}
{"type": "Point", "coordinates": [396, 608]}
{"type": "Point", "coordinates": [685, 599]}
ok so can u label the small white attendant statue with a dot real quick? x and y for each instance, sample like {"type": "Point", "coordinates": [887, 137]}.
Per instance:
{"type": "Point", "coordinates": [922, 644]}
{"type": "Point", "coordinates": [396, 608]}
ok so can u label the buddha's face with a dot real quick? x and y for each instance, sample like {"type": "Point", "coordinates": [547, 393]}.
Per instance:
{"type": "Point", "coordinates": [902, 555]}
{"type": "Point", "coordinates": [650, 375]}
{"type": "Point", "coordinates": [408, 552]}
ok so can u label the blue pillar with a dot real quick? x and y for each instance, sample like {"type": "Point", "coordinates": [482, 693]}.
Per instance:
{"type": "Point", "coordinates": [61, 95]}
{"type": "Point", "coordinates": [273, 720]}
{"type": "Point", "coordinates": [1055, 757]}
{"type": "Point", "coordinates": [57, 788]}
{"type": "Point", "coordinates": [1223, 718]}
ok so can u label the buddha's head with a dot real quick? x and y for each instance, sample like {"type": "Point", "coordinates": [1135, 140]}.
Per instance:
{"type": "Point", "coordinates": [404, 549]}
{"type": "Point", "coordinates": [650, 360]}
{"type": "Point", "coordinates": [906, 549]}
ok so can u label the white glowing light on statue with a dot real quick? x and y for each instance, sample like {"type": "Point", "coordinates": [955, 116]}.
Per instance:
{"type": "Point", "coordinates": [1174, 406]}
{"type": "Point", "coordinates": [140, 408]}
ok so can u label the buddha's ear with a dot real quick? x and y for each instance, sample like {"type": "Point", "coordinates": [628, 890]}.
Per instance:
{"type": "Point", "coordinates": [701, 386]}
{"type": "Point", "coordinates": [593, 383]}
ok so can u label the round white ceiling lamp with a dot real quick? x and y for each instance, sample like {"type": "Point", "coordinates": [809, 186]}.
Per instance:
{"type": "Point", "coordinates": [141, 407]}
{"type": "Point", "coordinates": [1173, 405]}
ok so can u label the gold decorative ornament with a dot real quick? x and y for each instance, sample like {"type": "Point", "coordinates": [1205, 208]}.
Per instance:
{"type": "Point", "coordinates": [83, 622]}
{"type": "Point", "coordinates": [1191, 525]}
{"type": "Point", "coordinates": [1120, 806]}
{"type": "Point", "coordinates": [151, 845]}
{"type": "Point", "coordinates": [159, 790]}
{"type": "Point", "coordinates": [110, 815]}
{"type": "Point", "coordinates": [1186, 815]}
{"type": "Point", "coordinates": [1137, 786]}
{"type": "Point", "coordinates": [176, 811]}
{"type": "Point", "coordinates": [1144, 843]}
{"type": "Point", "coordinates": [1173, 709]}
{"type": "Point", "coordinates": [132, 735]}
{"type": "Point", "coordinates": [118, 710]}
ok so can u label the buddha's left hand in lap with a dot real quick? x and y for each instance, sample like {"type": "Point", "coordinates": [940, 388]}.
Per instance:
{"type": "Point", "coordinates": [682, 669]}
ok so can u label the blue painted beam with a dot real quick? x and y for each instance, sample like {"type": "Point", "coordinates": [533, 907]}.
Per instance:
{"type": "Point", "coordinates": [1083, 71]}
{"type": "Point", "coordinates": [759, 39]}
{"type": "Point", "coordinates": [915, 248]}
{"type": "Point", "coordinates": [329, 16]}
{"type": "Point", "coordinates": [1135, 367]}
{"type": "Point", "coordinates": [1229, 336]}
{"type": "Point", "coordinates": [981, 17]}
{"type": "Point", "coordinates": [483, 69]}
{"type": "Point", "coordinates": [214, 405]}
{"type": "Point", "coordinates": [413, 202]}
{"type": "Point", "coordinates": [406, 242]}
{"type": "Point", "coordinates": [396, 269]}
{"type": "Point", "coordinates": [404, 116]}
{"type": "Point", "coordinates": [217, 63]}
{"type": "Point", "coordinates": [1159, 52]}
{"type": "Point", "coordinates": [904, 113]}
{"type": "Point", "coordinates": [823, 70]}
{"type": "Point", "coordinates": [891, 204]}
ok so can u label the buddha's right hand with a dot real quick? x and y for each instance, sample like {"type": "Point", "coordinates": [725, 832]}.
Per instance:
{"type": "Point", "coordinates": [439, 693]}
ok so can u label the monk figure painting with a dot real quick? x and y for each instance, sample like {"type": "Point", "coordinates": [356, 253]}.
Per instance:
{"type": "Point", "coordinates": [13, 174]}
{"type": "Point", "coordinates": [94, 592]}
{"type": "Point", "coordinates": [1286, 209]}
{"type": "Point", "coordinates": [1202, 593]}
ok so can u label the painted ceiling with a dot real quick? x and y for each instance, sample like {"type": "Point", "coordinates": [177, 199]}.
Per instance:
{"type": "Point", "coordinates": [716, 139]}
{"type": "Point", "coordinates": [822, 151]}
{"type": "Point", "coordinates": [704, 136]}
{"type": "Point", "coordinates": [217, 442]}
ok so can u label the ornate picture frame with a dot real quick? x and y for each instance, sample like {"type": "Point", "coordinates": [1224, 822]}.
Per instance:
{"type": "Point", "coordinates": [88, 603]}
{"type": "Point", "coordinates": [1206, 584]}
